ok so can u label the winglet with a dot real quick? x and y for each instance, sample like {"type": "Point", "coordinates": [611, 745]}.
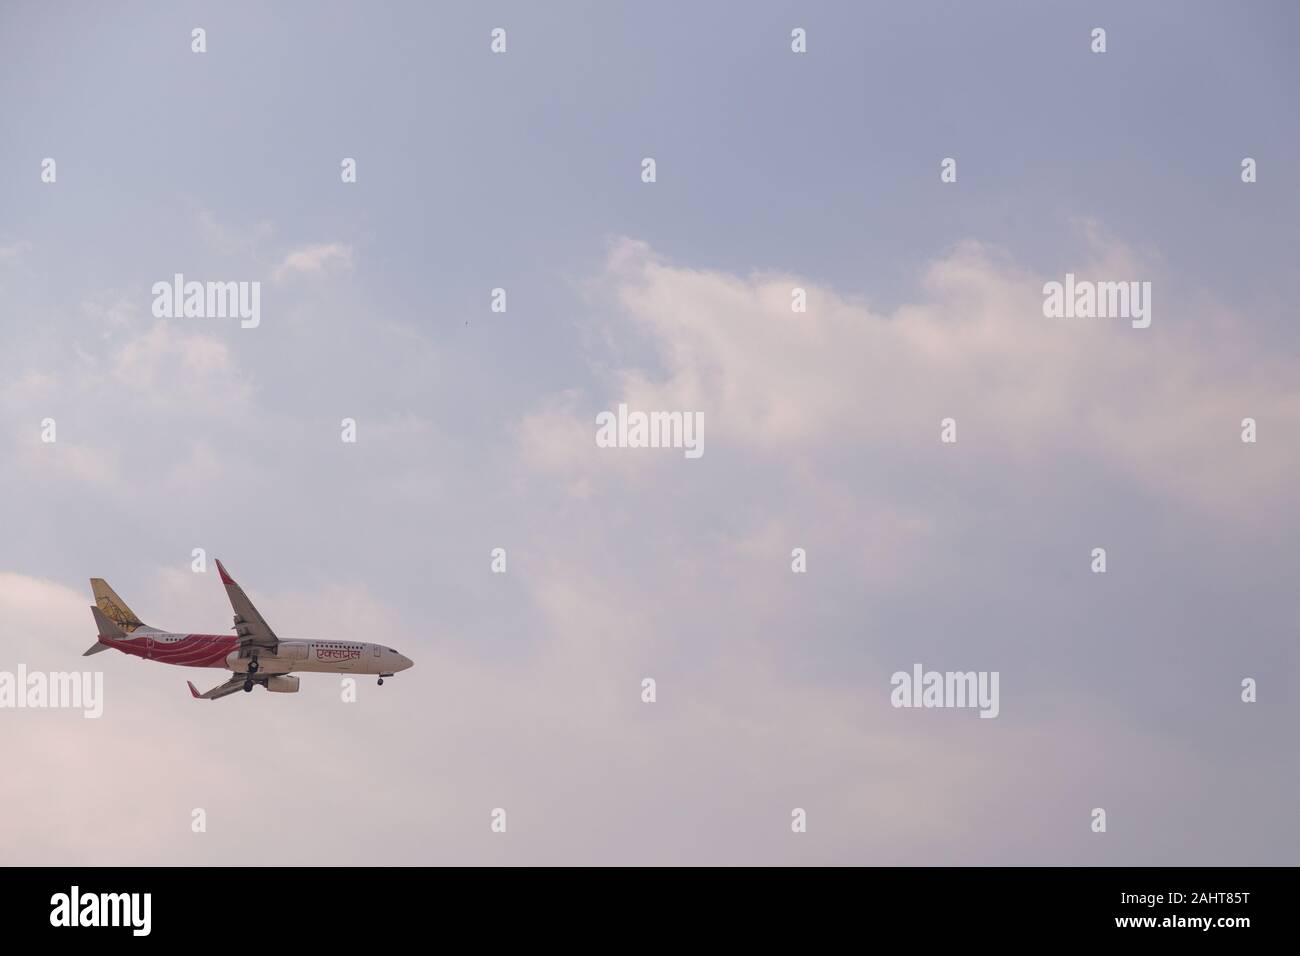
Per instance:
{"type": "Point", "coordinates": [194, 692]}
{"type": "Point", "coordinates": [225, 578]}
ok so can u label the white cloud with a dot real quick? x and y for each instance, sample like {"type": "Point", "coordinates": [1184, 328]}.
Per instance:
{"type": "Point", "coordinates": [1162, 405]}
{"type": "Point", "coordinates": [314, 260]}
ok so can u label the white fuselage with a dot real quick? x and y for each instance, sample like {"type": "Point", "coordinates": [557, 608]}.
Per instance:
{"type": "Point", "coordinates": [326, 657]}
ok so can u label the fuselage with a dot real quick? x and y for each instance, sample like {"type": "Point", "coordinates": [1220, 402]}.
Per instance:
{"type": "Point", "coordinates": [222, 650]}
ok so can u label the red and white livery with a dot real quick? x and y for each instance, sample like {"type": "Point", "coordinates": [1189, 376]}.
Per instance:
{"type": "Point", "coordinates": [253, 652]}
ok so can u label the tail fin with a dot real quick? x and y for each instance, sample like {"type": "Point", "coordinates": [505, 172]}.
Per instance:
{"type": "Point", "coordinates": [113, 607]}
{"type": "Point", "coordinates": [105, 627]}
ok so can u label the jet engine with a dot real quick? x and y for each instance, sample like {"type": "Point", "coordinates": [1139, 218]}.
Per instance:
{"type": "Point", "coordinates": [282, 684]}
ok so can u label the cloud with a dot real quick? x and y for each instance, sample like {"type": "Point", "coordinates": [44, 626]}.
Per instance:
{"type": "Point", "coordinates": [162, 377]}
{"type": "Point", "coordinates": [314, 260]}
{"type": "Point", "coordinates": [159, 752]}
{"type": "Point", "coordinates": [1161, 407]}
{"type": "Point", "coordinates": [771, 686]}
{"type": "Point", "coordinates": [183, 358]}
{"type": "Point", "coordinates": [528, 733]}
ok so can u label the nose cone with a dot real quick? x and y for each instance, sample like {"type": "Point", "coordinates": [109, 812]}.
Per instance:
{"type": "Point", "coordinates": [403, 662]}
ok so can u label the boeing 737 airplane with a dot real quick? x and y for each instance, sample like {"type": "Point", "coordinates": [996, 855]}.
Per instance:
{"type": "Point", "coordinates": [254, 653]}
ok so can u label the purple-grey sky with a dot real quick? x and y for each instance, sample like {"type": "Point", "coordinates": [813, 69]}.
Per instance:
{"type": "Point", "coordinates": [475, 429]}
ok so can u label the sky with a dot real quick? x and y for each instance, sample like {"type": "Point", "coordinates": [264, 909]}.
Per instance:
{"type": "Point", "coordinates": [476, 430]}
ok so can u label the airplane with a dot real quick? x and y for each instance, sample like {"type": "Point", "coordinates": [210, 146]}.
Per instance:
{"type": "Point", "coordinates": [253, 653]}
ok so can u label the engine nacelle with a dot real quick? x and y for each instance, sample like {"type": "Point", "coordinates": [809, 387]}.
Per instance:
{"type": "Point", "coordinates": [282, 684]}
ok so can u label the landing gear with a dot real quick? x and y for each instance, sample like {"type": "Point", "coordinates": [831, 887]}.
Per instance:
{"type": "Point", "coordinates": [248, 687]}
{"type": "Point", "coordinates": [381, 682]}
{"type": "Point", "coordinates": [252, 666]}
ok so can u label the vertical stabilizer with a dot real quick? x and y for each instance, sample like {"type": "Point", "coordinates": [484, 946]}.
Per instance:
{"type": "Point", "coordinates": [113, 607]}
{"type": "Point", "coordinates": [105, 627]}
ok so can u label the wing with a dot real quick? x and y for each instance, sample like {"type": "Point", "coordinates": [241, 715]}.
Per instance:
{"type": "Point", "coordinates": [236, 683]}
{"type": "Point", "coordinates": [251, 627]}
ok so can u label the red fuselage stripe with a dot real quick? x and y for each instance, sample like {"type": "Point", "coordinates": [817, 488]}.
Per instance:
{"type": "Point", "coordinates": [192, 650]}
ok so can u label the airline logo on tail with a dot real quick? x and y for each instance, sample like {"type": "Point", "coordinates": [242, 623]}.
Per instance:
{"type": "Point", "coordinates": [114, 607]}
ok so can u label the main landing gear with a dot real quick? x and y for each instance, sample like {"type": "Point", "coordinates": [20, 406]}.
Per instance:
{"type": "Point", "coordinates": [253, 665]}
{"type": "Point", "coordinates": [248, 687]}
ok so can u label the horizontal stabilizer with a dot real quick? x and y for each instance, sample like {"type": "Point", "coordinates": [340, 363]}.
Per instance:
{"type": "Point", "coordinates": [95, 649]}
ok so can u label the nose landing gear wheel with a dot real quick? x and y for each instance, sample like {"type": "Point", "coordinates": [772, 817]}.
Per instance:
{"type": "Point", "coordinates": [381, 682]}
